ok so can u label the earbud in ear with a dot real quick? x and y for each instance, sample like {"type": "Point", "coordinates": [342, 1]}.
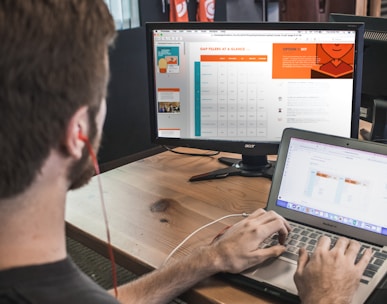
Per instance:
{"type": "Point", "coordinates": [93, 156]}
{"type": "Point", "coordinates": [82, 137]}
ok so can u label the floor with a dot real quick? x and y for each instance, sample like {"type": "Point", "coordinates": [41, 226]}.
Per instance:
{"type": "Point", "coordinates": [98, 267]}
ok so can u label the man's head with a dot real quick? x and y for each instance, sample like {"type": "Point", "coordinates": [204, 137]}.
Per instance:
{"type": "Point", "coordinates": [53, 61]}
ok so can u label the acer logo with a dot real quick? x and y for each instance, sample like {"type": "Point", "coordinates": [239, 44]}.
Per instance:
{"type": "Point", "coordinates": [249, 146]}
{"type": "Point", "coordinates": [329, 225]}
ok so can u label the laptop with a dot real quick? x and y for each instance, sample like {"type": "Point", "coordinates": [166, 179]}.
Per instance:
{"type": "Point", "coordinates": [330, 185]}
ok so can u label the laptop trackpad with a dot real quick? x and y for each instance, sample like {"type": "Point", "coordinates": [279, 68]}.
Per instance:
{"type": "Point", "coordinates": [276, 272]}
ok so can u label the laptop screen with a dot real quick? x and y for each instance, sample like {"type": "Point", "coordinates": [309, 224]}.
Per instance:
{"type": "Point", "coordinates": [337, 183]}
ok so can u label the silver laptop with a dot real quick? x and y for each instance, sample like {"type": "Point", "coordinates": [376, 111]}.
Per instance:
{"type": "Point", "coordinates": [325, 185]}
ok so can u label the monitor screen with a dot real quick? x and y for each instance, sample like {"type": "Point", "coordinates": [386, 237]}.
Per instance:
{"type": "Point", "coordinates": [235, 86]}
{"type": "Point", "coordinates": [374, 60]}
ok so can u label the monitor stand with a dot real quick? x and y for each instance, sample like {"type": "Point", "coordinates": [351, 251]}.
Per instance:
{"type": "Point", "coordinates": [249, 166]}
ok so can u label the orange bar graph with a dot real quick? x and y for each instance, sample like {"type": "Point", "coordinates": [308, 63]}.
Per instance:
{"type": "Point", "coordinates": [324, 175]}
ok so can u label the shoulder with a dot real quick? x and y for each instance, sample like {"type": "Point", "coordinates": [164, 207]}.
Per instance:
{"type": "Point", "coordinates": [60, 282]}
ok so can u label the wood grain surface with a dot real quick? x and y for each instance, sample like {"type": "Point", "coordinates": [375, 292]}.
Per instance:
{"type": "Point", "coordinates": [152, 207]}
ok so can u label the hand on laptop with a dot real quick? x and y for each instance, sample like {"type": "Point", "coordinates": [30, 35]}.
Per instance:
{"type": "Point", "coordinates": [330, 275]}
{"type": "Point", "coordinates": [238, 246]}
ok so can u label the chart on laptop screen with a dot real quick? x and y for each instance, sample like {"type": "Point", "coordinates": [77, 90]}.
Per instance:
{"type": "Point", "coordinates": [243, 84]}
{"type": "Point", "coordinates": [336, 183]}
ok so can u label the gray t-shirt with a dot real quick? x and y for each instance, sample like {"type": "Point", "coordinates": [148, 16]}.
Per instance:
{"type": "Point", "coordinates": [59, 282]}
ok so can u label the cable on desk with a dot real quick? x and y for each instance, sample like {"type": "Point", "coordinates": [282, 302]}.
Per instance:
{"type": "Point", "coordinates": [190, 154]}
{"type": "Point", "coordinates": [201, 228]}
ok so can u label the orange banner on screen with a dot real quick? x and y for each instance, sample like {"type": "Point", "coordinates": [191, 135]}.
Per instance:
{"type": "Point", "coordinates": [305, 61]}
{"type": "Point", "coordinates": [235, 58]}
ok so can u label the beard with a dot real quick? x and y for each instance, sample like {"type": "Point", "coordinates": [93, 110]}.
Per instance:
{"type": "Point", "coordinates": [81, 171]}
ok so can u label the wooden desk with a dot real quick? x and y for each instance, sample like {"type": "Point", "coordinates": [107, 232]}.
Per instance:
{"type": "Point", "coordinates": [144, 231]}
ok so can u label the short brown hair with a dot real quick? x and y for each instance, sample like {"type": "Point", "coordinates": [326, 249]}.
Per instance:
{"type": "Point", "coordinates": [52, 62]}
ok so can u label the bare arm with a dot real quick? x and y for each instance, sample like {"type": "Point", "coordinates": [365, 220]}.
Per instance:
{"type": "Point", "coordinates": [234, 252]}
{"type": "Point", "coordinates": [330, 276]}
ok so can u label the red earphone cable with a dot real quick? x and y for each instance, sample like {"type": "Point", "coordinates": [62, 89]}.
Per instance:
{"type": "Point", "coordinates": [110, 247]}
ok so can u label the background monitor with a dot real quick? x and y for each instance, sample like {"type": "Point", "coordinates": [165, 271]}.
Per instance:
{"type": "Point", "coordinates": [374, 85]}
{"type": "Point", "coordinates": [234, 87]}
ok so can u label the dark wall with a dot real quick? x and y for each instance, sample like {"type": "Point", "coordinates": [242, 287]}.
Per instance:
{"type": "Point", "coordinates": [127, 129]}
{"type": "Point", "coordinates": [151, 10]}
{"type": "Point", "coordinates": [314, 10]}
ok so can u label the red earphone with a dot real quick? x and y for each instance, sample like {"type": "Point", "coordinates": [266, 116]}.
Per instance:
{"type": "Point", "coordinates": [82, 137]}
{"type": "Point", "coordinates": [93, 156]}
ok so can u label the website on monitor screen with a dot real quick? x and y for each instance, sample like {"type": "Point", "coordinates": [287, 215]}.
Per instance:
{"type": "Point", "coordinates": [251, 84]}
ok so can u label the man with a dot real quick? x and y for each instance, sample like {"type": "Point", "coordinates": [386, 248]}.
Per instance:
{"type": "Point", "coordinates": [53, 79]}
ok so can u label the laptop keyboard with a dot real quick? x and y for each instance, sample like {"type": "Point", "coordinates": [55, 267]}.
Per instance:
{"type": "Point", "coordinates": [307, 237]}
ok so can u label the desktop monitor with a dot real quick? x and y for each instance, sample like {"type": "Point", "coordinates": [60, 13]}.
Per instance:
{"type": "Point", "coordinates": [374, 88]}
{"type": "Point", "coordinates": [234, 87]}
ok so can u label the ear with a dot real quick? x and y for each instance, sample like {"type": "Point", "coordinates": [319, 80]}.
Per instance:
{"type": "Point", "coordinates": [78, 124]}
